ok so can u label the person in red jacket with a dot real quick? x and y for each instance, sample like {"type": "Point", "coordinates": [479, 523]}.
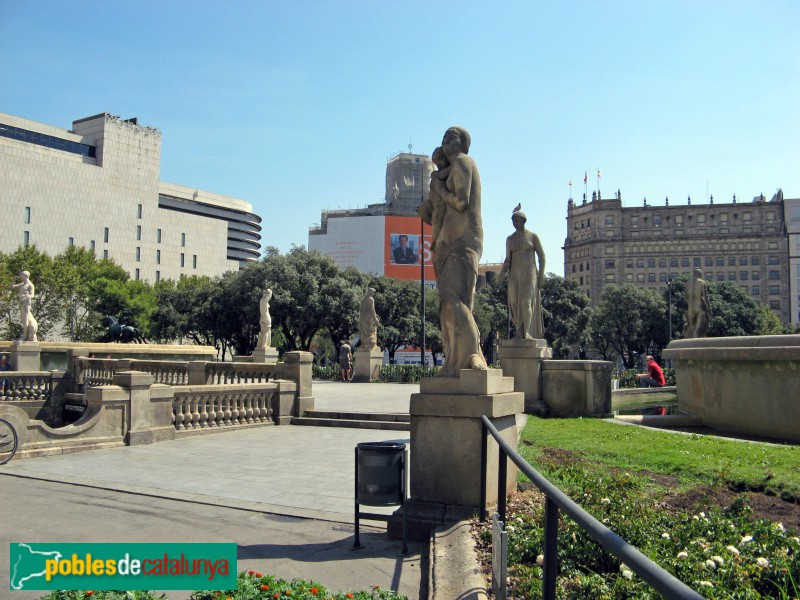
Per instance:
{"type": "Point", "coordinates": [654, 376]}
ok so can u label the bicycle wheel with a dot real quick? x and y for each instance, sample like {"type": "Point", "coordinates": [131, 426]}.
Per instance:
{"type": "Point", "coordinates": [8, 441]}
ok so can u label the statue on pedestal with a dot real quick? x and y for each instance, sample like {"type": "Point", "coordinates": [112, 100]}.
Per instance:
{"type": "Point", "coordinates": [456, 254]}
{"type": "Point", "coordinates": [698, 312]}
{"type": "Point", "coordinates": [265, 322]}
{"type": "Point", "coordinates": [368, 321]}
{"type": "Point", "coordinates": [525, 279]}
{"type": "Point", "coordinates": [26, 292]}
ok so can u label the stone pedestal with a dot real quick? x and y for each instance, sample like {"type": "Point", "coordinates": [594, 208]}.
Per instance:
{"type": "Point", "coordinates": [522, 360]}
{"type": "Point", "coordinates": [368, 365]}
{"type": "Point", "coordinates": [577, 388]}
{"type": "Point", "coordinates": [25, 356]}
{"type": "Point", "coordinates": [446, 437]}
{"type": "Point", "coordinates": [267, 356]}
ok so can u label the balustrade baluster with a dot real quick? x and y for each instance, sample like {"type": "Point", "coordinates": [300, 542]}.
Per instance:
{"type": "Point", "coordinates": [227, 419]}
{"type": "Point", "coordinates": [177, 412]}
{"type": "Point", "coordinates": [204, 411]}
{"type": "Point", "coordinates": [195, 412]}
{"type": "Point", "coordinates": [249, 405]}
{"type": "Point", "coordinates": [212, 414]}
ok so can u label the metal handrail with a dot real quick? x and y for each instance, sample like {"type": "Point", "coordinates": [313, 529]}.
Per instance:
{"type": "Point", "coordinates": [664, 582]}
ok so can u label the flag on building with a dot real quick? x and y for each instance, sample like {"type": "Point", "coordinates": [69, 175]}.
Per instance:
{"type": "Point", "coordinates": [585, 177]}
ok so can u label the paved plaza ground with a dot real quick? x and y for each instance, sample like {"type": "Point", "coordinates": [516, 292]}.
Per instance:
{"type": "Point", "coordinates": [284, 494]}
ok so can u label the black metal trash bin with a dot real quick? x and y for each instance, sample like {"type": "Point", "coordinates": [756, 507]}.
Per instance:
{"type": "Point", "coordinates": [380, 481]}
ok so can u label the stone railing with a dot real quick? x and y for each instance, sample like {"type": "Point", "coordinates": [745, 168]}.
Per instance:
{"type": "Point", "coordinates": [168, 372]}
{"type": "Point", "coordinates": [221, 373]}
{"type": "Point", "coordinates": [30, 385]}
{"type": "Point", "coordinates": [208, 406]}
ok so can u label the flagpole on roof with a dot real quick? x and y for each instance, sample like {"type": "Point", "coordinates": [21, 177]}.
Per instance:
{"type": "Point", "coordinates": [598, 183]}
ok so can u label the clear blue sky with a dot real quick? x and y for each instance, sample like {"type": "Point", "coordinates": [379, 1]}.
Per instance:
{"type": "Point", "coordinates": [295, 106]}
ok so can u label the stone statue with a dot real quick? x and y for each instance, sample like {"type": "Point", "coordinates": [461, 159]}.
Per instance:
{"type": "Point", "coordinates": [459, 246]}
{"type": "Point", "coordinates": [433, 210]}
{"type": "Point", "coordinates": [26, 292]}
{"type": "Point", "coordinates": [525, 279]}
{"type": "Point", "coordinates": [698, 312]}
{"type": "Point", "coordinates": [368, 321]}
{"type": "Point", "coordinates": [265, 322]}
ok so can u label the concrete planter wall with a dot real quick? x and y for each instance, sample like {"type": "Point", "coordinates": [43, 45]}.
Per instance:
{"type": "Point", "coordinates": [577, 388]}
{"type": "Point", "coordinates": [748, 384]}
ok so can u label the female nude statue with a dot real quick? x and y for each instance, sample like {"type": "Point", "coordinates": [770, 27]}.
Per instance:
{"type": "Point", "coordinates": [525, 280]}
{"type": "Point", "coordinates": [265, 321]}
{"type": "Point", "coordinates": [368, 321]}
{"type": "Point", "coordinates": [456, 254]}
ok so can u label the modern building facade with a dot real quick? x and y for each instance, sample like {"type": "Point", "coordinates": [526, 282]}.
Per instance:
{"type": "Point", "coordinates": [386, 238]}
{"type": "Point", "coordinates": [98, 186]}
{"type": "Point", "coordinates": [745, 243]}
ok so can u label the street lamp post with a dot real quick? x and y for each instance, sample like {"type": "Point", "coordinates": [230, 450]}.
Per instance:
{"type": "Point", "coordinates": [669, 304]}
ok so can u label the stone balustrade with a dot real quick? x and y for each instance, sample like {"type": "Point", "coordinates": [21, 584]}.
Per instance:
{"type": "Point", "coordinates": [209, 406]}
{"type": "Point", "coordinates": [219, 373]}
{"type": "Point", "coordinates": [25, 385]}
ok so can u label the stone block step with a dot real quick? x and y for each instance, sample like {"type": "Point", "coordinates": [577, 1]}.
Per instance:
{"type": "Point", "coordinates": [352, 423]}
{"type": "Point", "coordinates": [358, 416]}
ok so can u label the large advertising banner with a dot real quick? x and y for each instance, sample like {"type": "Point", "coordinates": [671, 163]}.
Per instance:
{"type": "Point", "coordinates": [404, 246]}
{"type": "Point", "coordinates": [353, 242]}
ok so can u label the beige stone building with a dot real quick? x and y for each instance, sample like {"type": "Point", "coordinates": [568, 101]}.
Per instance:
{"type": "Point", "coordinates": [792, 217]}
{"type": "Point", "coordinates": [98, 185]}
{"type": "Point", "coordinates": [745, 243]}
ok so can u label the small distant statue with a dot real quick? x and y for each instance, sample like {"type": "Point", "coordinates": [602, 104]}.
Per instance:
{"type": "Point", "coordinates": [698, 314]}
{"type": "Point", "coordinates": [26, 291]}
{"type": "Point", "coordinates": [368, 321]}
{"type": "Point", "coordinates": [125, 334]}
{"type": "Point", "coordinates": [525, 279]}
{"type": "Point", "coordinates": [265, 322]}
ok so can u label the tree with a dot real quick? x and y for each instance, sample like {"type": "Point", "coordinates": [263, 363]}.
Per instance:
{"type": "Point", "coordinates": [630, 320]}
{"type": "Point", "coordinates": [131, 302]}
{"type": "Point", "coordinates": [566, 315]}
{"type": "Point", "coordinates": [491, 315]}
{"type": "Point", "coordinates": [48, 302]}
{"type": "Point", "coordinates": [398, 305]}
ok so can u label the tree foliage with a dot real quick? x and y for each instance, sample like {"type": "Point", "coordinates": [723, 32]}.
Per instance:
{"type": "Point", "coordinates": [566, 315]}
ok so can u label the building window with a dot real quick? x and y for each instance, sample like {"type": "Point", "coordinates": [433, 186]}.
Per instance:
{"type": "Point", "coordinates": [662, 262]}
{"type": "Point", "coordinates": [629, 263]}
{"type": "Point", "coordinates": [773, 260]}
{"type": "Point", "coordinates": [684, 262]}
{"type": "Point", "coordinates": [774, 274]}
{"type": "Point", "coordinates": [723, 218]}
{"type": "Point", "coordinates": [742, 275]}
{"type": "Point", "coordinates": [610, 277]}
{"type": "Point", "coordinates": [158, 236]}
{"type": "Point", "coordinates": [27, 215]}
{"type": "Point", "coordinates": [609, 219]}
{"type": "Point", "coordinates": [91, 245]}
{"type": "Point", "coordinates": [673, 262]}
{"type": "Point", "coordinates": [720, 261]}
{"type": "Point", "coordinates": [105, 254]}
{"type": "Point", "coordinates": [194, 261]}
{"type": "Point", "coordinates": [709, 261]}
{"type": "Point", "coordinates": [678, 219]}
{"type": "Point", "coordinates": [651, 263]}
{"type": "Point", "coordinates": [731, 275]}
{"type": "Point", "coordinates": [137, 270]}
{"type": "Point", "coordinates": [183, 240]}
{"type": "Point", "coordinates": [581, 280]}
{"type": "Point", "coordinates": [774, 290]}
{"type": "Point", "coordinates": [158, 257]}
{"type": "Point", "coordinates": [609, 264]}
{"type": "Point", "coordinates": [581, 269]}
{"type": "Point", "coordinates": [138, 214]}
{"type": "Point", "coordinates": [720, 276]}
{"type": "Point", "coordinates": [754, 260]}
{"type": "Point", "coordinates": [138, 232]}
{"type": "Point", "coordinates": [770, 215]}
{"type": "Point", "coordinates": [629, 277]}
{"type": "Point", "coordinates": [138, 253]}
{"type": "Point", "coordinates": [634, 220]}
{"type": "Point", "coordinates": [743, 261]}
{"type": "Point", "coordinates": [26, 238]}
{"type": "Point", "coordinates": [71, 241]}
{"type": "Point", "coordinates": [640, 277]}
{"type": "Point", "coordinates": [756, 290]}
{"type": "Point", "coordinates": [701, 218]}
{"type": "Point", "coordinates": [640, 263]}
{"type": "Point", "coordinates": [573, 268]}
{"type": "Point", "coordinates": [731, 261]}
{"type": "Point", "coordinates": [747, 216]}
{"type": "Point", "coordinates": [158, 275]}
{"type": "Point", "coordinates": [755, 275]}
{"type": "Point", "coordinates": [105, 235]}
{"type": "Point", "coordinates": [651, 277]}
{"type": "Point", "coordinates": [182, 258]}
{"type": "Point", "coordinates": [696, 262]}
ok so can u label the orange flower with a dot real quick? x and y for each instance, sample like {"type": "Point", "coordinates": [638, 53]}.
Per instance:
{"type": "Point", "coordinates": [348, 595]}
{"type": "Point", "coordinates": [276, 595]}
{"type": "Point", "coordinates": [259, 575]}
{"type": "Point", "coordinates": [314, 591]}
{"type": "Point", "coordinates": [251, 572]}
{"type": "Point", "coordinates": [265, 587]}
{"type": "Point", "coordinates": [287, 592]}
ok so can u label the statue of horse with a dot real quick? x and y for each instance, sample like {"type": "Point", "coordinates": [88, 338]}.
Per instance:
{"type": "Point", "coordinates": [122, 333]}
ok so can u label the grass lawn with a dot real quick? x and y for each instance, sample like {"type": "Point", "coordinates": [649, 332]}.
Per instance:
{"type": "Point", "coordinates": [692, 459]}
